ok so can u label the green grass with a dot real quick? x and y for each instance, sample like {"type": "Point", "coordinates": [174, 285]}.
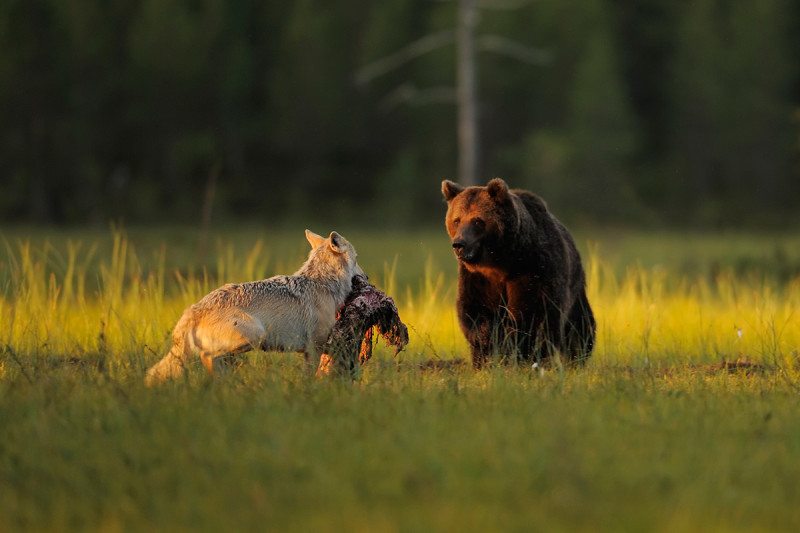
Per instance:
{"type": "Point", "coordinates": [646, 437]}
{"type": "Point", "coordinates": [403, 450]}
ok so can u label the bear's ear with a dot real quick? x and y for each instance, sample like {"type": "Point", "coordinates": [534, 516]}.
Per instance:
{"type": "Point", "coordinates": [497, 189]}
{"type": "Point", "coordinates": [336, 242]}
{"type": "Point", "coordinates": [313, 239]}
{"type": "Point", "coordinates": [451, 189]}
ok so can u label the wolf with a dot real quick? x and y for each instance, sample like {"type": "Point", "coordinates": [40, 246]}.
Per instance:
{"type": "Point", "coordinates": [283, 313]}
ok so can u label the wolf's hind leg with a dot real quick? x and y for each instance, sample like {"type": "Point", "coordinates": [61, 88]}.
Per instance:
{"type": "Point", "coordinates": [231, 334]}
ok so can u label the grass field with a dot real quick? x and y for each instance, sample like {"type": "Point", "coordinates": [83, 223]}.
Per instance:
{"type": "Point", "coordinates": [652, 435]}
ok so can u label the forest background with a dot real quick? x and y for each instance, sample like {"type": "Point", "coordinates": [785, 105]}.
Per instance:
{"type": "Point", "coordinates": [648, 112]}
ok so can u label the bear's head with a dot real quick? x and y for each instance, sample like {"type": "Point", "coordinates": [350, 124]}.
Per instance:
{"type": "Point", "coordinates": [477, 219]}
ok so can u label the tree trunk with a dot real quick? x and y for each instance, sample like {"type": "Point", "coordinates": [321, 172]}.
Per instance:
{"type": "Point", "coordinates": [466, 90]}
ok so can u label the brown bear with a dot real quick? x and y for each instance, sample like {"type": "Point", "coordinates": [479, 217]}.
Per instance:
{"type": "Point", "coordinates": [521, 285]}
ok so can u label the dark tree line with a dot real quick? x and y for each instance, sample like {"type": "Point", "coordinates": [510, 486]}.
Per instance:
{"type": "Point", "coordinates": [662, 111]}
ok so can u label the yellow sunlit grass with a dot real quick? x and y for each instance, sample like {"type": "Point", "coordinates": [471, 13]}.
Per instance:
{"type": "Point", "coordinates": [52, 304]}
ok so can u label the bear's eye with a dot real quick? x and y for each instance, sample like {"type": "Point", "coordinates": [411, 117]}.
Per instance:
{"type": "Point", "coordinates": [456, 221]}
{"type": "Point", "coordinates": [479, 223]}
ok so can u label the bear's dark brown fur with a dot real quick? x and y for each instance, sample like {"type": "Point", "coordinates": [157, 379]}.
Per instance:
{"type": "Point", "coordinates": [521, 285]}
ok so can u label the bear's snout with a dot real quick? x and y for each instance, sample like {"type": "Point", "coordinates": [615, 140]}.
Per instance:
{"type": "Point", "coordinates": [464, 252]}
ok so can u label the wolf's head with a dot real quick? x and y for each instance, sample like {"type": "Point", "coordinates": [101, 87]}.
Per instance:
{"type": "Point", "coordinates": [332, 256]}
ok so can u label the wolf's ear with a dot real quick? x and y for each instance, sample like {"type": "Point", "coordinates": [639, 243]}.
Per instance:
{"type": "Point", "coordinates": [313, 239]}
{"type": "Point", "coordinates": [450, 189]}
{"type": "Point", "coordinates": [336, 242]}
{"type": "Point", "coordinates": [497, 189]}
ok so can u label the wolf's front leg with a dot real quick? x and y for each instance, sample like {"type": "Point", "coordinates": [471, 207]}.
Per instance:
{"type": "Point", "coordinates": [313, 357]}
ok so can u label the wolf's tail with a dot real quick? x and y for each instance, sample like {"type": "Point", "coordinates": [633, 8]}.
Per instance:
{"type": "Point", "coordinates": [173, 364]}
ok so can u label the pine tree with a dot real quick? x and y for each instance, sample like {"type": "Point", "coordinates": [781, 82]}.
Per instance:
{"type": "Point", "coordinates": [731, 86]}
{"type": "Point", "coordinates": [601, 128]}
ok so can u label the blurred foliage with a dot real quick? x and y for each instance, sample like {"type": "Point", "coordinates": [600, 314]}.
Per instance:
{"type": "Point", "coordinates": [650, 111]}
